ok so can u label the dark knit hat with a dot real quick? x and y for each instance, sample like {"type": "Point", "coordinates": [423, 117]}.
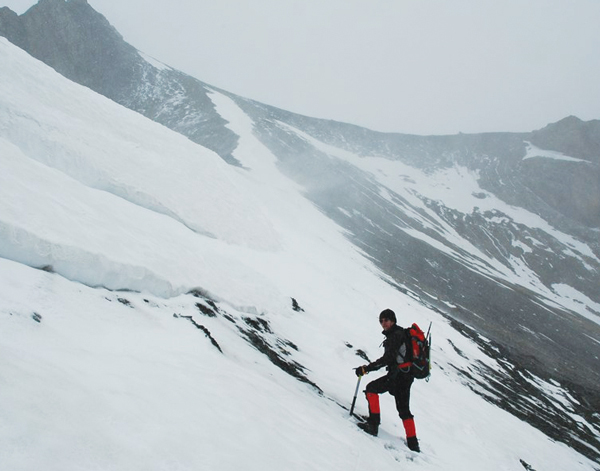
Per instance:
{"type": "Point", "coordinates": [387, 314]}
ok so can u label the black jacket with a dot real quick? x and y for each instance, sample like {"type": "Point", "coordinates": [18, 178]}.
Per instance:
{"type": "Point", "coordinates": [396, 350]}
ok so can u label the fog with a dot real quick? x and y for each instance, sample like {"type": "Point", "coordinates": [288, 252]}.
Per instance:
{"type": "Point", "coordinates": [423, 67]}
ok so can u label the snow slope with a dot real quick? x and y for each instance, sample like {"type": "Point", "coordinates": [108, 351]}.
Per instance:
{"type": "Point", "coordinates": [160, 333]}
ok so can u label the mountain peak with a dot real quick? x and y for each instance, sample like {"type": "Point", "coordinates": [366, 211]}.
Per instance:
{"type": "Point", "coordinates": [6, 11]}
{"type": "Point", "coordinates": [57, 2]}
{"type": "Point", "coordinates": [569, 121]}
{"type": "Point", "coordinates": [9, 24]}
{"type": "Point", "coordinates": [571, 136]}
{"type": "Point", "coordinates": [75, 40]}
{"type": "Point", "coordinates": [80, 43]}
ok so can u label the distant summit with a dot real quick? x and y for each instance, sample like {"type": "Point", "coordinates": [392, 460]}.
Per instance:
{"type": "Point", "coordinates": [79, 43]}
{"type": "Point", "coordinates": [66, 35]}
{"type": "Point", "coordinates": [571, 136]}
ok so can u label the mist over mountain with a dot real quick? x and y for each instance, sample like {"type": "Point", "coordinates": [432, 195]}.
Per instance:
{"type": "Point", "coordinates": [499, 233]}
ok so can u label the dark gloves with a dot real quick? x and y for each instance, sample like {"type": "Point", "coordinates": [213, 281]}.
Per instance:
{"type": "Point", "coordinates": [361, 370]}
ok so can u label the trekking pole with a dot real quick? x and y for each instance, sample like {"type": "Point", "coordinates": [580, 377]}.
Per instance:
{"type": "Point", "coordinates": [355, 394]}
{"type": "Point", "coordinates": [429, 351]}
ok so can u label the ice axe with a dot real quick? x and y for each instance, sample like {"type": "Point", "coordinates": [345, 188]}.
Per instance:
{"type": "Point", "coordinates": [355, 394]}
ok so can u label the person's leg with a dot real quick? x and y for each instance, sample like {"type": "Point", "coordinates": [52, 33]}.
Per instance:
{"type": "Point", "coordinates": [372, 392]}
{"type": "Point", "coordinates": [402, 396]}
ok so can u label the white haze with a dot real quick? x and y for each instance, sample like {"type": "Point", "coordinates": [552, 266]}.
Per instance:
{"type": "Point", "coordinates": [92, 378]}
{"type": "Point", "coordinates": [424, 67]}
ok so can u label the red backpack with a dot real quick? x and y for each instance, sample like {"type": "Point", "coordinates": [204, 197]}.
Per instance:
{"type": "Point", "coordinates": [418, 348]}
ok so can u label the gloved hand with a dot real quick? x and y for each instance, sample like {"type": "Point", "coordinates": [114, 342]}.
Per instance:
{"type": "Point", "coordinates": [361, 370]}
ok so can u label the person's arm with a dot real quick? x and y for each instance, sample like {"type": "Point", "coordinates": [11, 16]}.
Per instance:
{"type": "Point", "coordinates": [392, 345]}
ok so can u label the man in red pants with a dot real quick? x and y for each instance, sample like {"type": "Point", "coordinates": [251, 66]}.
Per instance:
{"type": "Point", "coordinates": [397, 381]}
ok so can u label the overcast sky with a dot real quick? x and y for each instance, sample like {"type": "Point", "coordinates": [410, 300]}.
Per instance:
{"type": "Point", "coordinates": [411, 66]}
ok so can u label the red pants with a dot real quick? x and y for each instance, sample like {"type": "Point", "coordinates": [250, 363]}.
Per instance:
{"type": "Point", "coordinates": [399, 387]}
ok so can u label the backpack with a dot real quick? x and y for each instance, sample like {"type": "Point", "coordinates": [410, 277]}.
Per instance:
{"type": "Point", "coordinates": [418, 348]}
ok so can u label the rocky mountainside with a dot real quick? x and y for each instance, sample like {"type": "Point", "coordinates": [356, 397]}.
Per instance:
{"type": "Point", "coordinates": [500, 232]}
{"type": "Point", "coordinates": [66, 36]}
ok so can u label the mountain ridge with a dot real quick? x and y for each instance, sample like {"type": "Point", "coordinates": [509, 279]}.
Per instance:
{"type": "Point", "coordinates": [117, 69]}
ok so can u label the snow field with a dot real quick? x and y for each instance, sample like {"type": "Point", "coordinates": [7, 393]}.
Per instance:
{"type": "Point", "coordinates": [92, 378]}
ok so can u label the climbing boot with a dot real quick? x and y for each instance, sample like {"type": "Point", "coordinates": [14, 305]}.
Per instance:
{"type": "Point", "coordinates": [370, 427]}
{"type": "Point", "coordinates": [413, 444]}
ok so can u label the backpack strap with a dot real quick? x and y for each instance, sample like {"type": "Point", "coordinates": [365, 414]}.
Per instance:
{"type": "Point", "coordinates": [406, 365]}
